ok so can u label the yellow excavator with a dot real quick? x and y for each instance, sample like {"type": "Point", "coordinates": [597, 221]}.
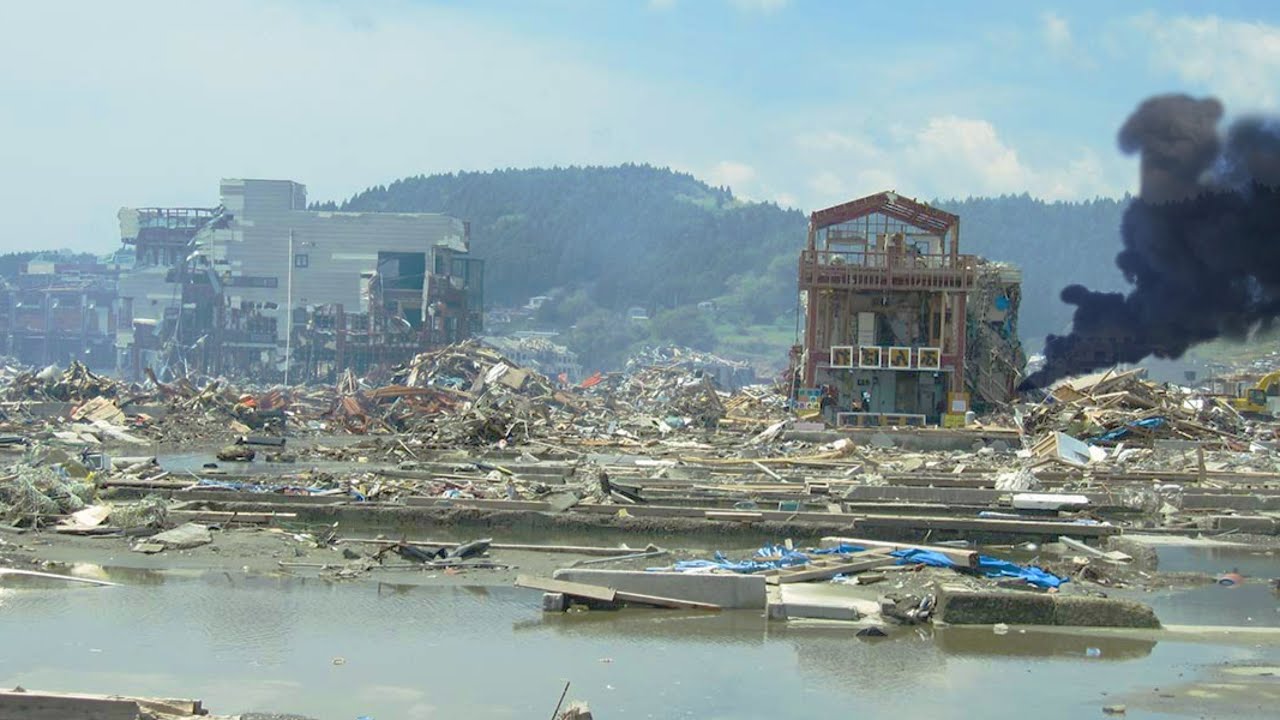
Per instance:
{"type": "Point", "coordinates": [1261, 400]}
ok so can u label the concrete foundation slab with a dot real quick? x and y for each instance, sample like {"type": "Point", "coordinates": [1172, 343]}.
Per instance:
{"type": "Point", "coordinates": [814, 611]}
{"type": "Point", "coordinates": [727, 591]}
{"type": "Point", "coordinates": [961, 606]}
{"type": "Point", "coordinates": [1252, 524]}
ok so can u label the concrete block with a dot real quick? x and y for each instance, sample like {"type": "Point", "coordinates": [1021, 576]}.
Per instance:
{"type": "Point", "coordinates": [959, 606]}
{"type": "Point", "coordinates": [1102, 612]}
{"type": "Point", "coordinates": [813, 610]}
{"type": "Point", "coordinates": [1251, 524]}
{"type": "Point", "coordinates": [1223, 501]}
{"type": "Point", "coordinates": [554, 602]}
{"type": "Point", "coordinates": [991, 607]}
{"type": "Point", "coordinates": [727, 591]}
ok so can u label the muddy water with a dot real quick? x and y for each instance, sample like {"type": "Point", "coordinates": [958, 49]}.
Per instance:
{"type": "Point", "coordinates": [244, 642]}
{"type": "Point", "coordinates": [1251, 604]}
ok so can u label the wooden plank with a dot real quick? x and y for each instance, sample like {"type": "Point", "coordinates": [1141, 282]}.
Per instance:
{"type": "Point", "coordinates": [581, 590]}
{"type": "Point", "coordinates": [663, 601]}
{"type": "Point", "coordinates": [866, 561]}
{"type": "Point", "coordinates": [963, 558]}
{"type": "Point", "coordinates": [159, 484]}
{"type": "Point", "coordinates": [765, 469]}
{"type": "Point", "coordinates": [740, 516]}
{"type": "Point", "coordinates": [593, 550]}
{"type": "Point", "coordinates": [256, 518]}
{"type": "Point", "coordinates": [1013, 527]}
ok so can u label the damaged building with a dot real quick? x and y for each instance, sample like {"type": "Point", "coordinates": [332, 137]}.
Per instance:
{"type": "Point", "coordinates": [262, 286]}
{"type": "Point", "coordinates": [56, 312]}
{"type": "Point", "coordinates": [900, 328]}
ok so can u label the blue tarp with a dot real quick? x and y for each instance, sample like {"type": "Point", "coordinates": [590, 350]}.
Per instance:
{"type": "Point", "coordinates": [988, 566]}
{"type": "Point", "coordinates": [1152, 423]}
{"type": "Point", "coordinates": [768, 557]}
{"type": "Point", "coordinates": [775, 557]}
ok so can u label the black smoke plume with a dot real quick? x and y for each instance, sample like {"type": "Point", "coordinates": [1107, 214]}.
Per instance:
{"type": "Point", "coordinates": [1201, 242]}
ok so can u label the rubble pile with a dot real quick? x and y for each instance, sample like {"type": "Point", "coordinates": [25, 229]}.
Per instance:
{"type": "Point", "coordinates": [75, 384]}
{"type": "Point", "coordinates": [28, 491]}
{"type": "Point", "coordinates": [673, 392]}
{"type": "Point", "coordinates": [1110, 408]}
{"type": "Point", "coordinates": [671, 388]}
{"type": "Point", "coordinates": [469, 394]}
{"type": "Point", "coordinates": [756, 407]}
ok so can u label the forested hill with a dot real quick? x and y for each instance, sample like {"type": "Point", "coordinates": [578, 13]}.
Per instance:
{"type": "Point", "coordinates": [632, 235]}
{"type": "Point", "coordinates": [640, 235]}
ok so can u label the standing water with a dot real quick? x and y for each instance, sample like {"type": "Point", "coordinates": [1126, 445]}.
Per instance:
{"type": "Point", "coordinates": [248, 642]}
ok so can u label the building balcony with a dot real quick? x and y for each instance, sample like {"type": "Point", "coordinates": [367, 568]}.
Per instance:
{"type": "Point", "coordinates": [879, 271]}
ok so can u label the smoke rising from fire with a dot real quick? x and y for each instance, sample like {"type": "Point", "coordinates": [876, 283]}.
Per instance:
{"type": "Point", "coordinates": [1201, 242]}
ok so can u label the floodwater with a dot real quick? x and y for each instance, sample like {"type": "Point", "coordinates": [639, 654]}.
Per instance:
{"type": "Point", "coordinates": [248, 642]}
{"type": "Point", "coordinates": [1253, 604]}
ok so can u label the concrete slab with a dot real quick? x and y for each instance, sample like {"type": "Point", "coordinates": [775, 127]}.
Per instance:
{"type": "Point", "coordinates": [1218, 501]}
{"type": "Point", "coordinates": [814, 611]}
{"type": "Point", "coordinates": [820, 601]}
{"type": "Point", "coordinates": [1252, 524]}
{"type": "Point", "coordinates": [726, 590]}
{"type": "Point", "coordinates": [961, 606]}
{"type": "Point", "coordinates": [1102, 612]}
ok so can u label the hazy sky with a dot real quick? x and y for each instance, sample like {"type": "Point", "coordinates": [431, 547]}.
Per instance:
{"type": "Point", "coordinates": [107, 104]}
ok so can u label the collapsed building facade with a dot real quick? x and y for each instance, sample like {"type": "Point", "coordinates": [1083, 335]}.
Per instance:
{"type": "Point", "coordinates": [56, 312]}
{"type": "Point", "coordinates": [900, 328]}
{"type": "Point", "coordinates": [261, 286]}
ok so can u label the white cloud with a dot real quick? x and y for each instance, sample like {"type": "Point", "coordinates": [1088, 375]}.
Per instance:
{"type": "Point", "coordinates": [946, 156]}
{"type": "Point", "coordinates": [828, 183]}
{"type": "Point", "coordinates": [1057, 32]}
{"type": "Point", "coordinates": [1236, 60]}
{"type": "Point", "coordinates": [960, 147]}
{"type": "Point", "coordinates": [734, 174]}
{"type": "Point", "coordinates": [762, 6]}
{"type": "Point", "coordinates": [1060, 41]}
{"type": "Point", "coordinates": [830, 140]}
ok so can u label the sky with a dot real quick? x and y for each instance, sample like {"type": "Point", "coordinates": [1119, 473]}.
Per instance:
{"type": "Point", "coordinates": [801, 102]}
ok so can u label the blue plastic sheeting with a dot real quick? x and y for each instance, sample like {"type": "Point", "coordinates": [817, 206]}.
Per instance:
{"type": "Point", "coordinates": [988, 566]}
{"type": "Point", "coordinates": [768, 557]}
{"type": "Point", "coordinates": [842, 549]}
{"type": "Point", "coordinates": [1120, 433]}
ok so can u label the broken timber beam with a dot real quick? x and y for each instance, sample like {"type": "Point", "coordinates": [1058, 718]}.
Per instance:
{"type": "Point", "coordinates": [963, 558]}
{"type": "Point", "coordinates": [869, 561]}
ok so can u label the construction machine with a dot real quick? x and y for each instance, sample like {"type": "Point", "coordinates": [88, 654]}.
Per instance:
{"type": "Point", "coordinates": [1261, 400]}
